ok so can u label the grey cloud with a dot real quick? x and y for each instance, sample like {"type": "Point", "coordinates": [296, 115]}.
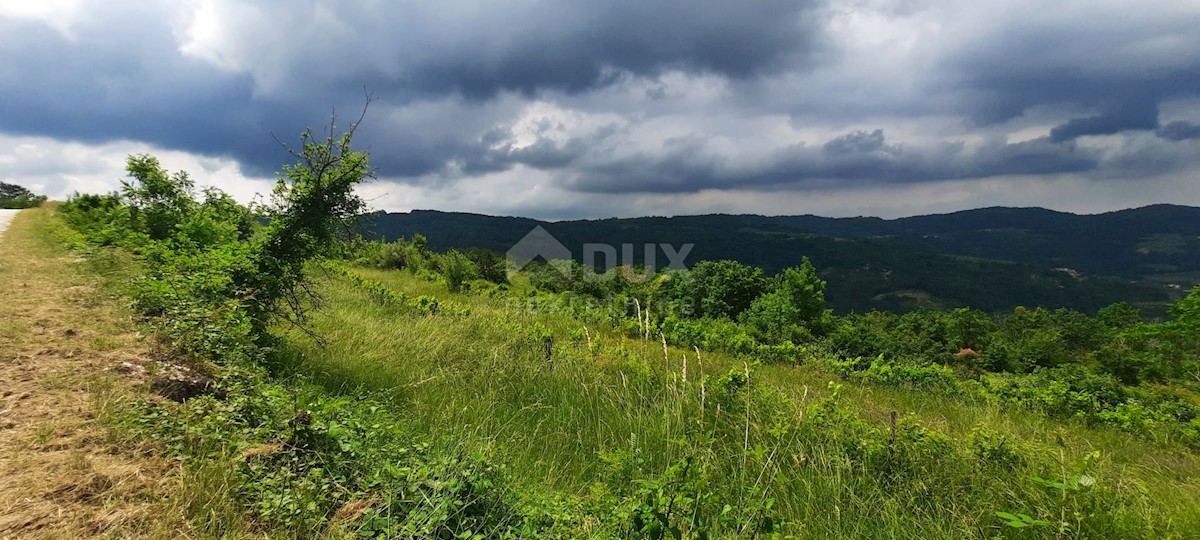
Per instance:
{"type": "Point", "coordinates": [857, 158]}
{"type": "Point", "coordinates": [1143, 116]}
{"type": "Point", "coordinates": [1123, 67]}
{"type": "Point", "coordinates": [1179, 131]}
{"type": "Point", "coordinates": [1039, 156]}
{"type": "Point", "coordinates": [454, 78]}
{"type": "Point", "coordinates": [542, 154]}
{"type": "Point", "coordinates": [480, 51]}
{"type": "Point", "coordinates": [124, 77]}
{"type": "Point", "coordinates": [855, 143]}
{"type": "Point", "coordinates": [496, 150]}
{"type": "Point", "coordinates": [123, 80]}
{"type": "Point", "coordinates": [1147, 155]}
{"type": "Point", "coordinates": [684, 164]}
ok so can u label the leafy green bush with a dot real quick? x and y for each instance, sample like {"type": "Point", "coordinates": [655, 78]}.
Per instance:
{"type": "Point", "coordinates": [299, 456]}
{"type": "Point", "coordinates": [215, 277]}
{"type": "Point", "coordinates": [718, 288]}
{"type": "Point", "coordinates": [895, 373]}
{"type": "Point", "coordinates": [458, 269]}
{"type": "Point", "coordinates": [793, 310]}
{"type": "Point", "coordinates": [992, 449]}
{"type": "Point", "coordinates": [490, 265]}
{"type": "Point", "coordinates": [158, 201]}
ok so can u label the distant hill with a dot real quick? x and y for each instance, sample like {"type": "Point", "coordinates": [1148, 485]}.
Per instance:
{"type": "Point", "coordinates": [990, 258]}
{"type": "Point", "coordinates": [1134, 243]}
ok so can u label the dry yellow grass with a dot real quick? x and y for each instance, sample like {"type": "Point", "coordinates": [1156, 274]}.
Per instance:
{"type": "Point", "coordinates": [60, 345]}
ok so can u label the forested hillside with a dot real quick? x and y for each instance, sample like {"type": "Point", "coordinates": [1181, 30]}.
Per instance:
{"type": "Point", "coordinates": [990, 259]}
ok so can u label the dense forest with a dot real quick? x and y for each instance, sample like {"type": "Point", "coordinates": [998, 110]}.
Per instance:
{"type": "Point", "coordinates": [1025, 257]}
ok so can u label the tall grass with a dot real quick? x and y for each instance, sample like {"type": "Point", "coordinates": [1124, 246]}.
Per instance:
{"type": "Point", "coordinates": [605, 411]}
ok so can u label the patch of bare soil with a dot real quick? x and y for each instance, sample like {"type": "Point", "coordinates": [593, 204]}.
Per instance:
{"type": "Point", "coordinates": [63, 351]}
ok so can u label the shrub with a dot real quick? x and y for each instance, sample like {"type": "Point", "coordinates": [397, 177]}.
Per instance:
{"type": "Point", "coordinates": [458, 269]}
{"type": "Point", "coordinates": [793, 311]}
{"type": "Point", "coordinates": [990, 448]}
{"type": "Point", "coordinates": [490, 265]}
{"type": "Point", "coordinates": [720, 288]}
{"type": "Point", "coordinates": [894, 373]}
{"type": "Point", "coordinates": [215, 277]}
{"type": "Point", "coordinates": [158, 201]}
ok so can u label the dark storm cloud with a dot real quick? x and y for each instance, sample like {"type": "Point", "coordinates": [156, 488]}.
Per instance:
{"type": "Point", "coordinates": [480, 50]}
{"type": "Point", "coordinates": [496, 150]}
{"type": "Point", "coordinates": [1127, 100]}
{"type": "Point", "coordinates": [578, 46]}
{"type": "Point", "coordinates": [683, 164]}
{"type": "Point", "coordinates": [1041, 156]}
{"type": "Point", "coordinates": [85, 91]}
{"type": "Point", "coordinates": [542, 154]}
{"type": "Point", "coordinates": [124, 77]}
{"type": "Point", "coordinates": [453, 80]}
{"type": "Point", "coordinates": [1137, 116]}
{"type": "Point", "coordinates": [1179, 131]}
{"type": "Point", "coordinates": [857, 158]}
{"type": "Point", "coordinates": [859, 142]}
{"type": "Point", "coordinates": [1123, 70]}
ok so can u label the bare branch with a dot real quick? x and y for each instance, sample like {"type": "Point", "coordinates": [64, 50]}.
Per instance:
{"type": "Point", "coordinates": [283, 144]}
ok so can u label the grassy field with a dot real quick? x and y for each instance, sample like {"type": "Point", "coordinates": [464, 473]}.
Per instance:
{"type": "Point", "coordinates": [605, 404]}
{"type": "Point", "coordinates": [389, 406]}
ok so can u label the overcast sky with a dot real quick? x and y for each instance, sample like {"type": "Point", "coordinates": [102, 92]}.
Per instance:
{"type": "Point", "coordinates": [565, 109]}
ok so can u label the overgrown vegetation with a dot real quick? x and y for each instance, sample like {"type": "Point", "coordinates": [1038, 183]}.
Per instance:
{"type": "Point", "coordinates": [1113, 368]}
{"type": "Point", "coordinates": [435, 397]}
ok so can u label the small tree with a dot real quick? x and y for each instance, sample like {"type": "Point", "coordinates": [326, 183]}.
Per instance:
{"type": "Point", "coordinates": [967, 328]}
{"type": "Point", "coordinates": [1187, 313]}
{"type": "Point", "coordinates": [312, 204]}
{"type": "Point", "coordinates": [489, 263]}
{"type": "Point", "coordinates": [793, 311]}
{"type": "Point", "coordinates": [458, 269]}
{"type": "Point", "coordinates": [157, 200]}
{"type": "Point", "coordinates": [1118, 316]}
{"type": "Point", "coordinates": [722, 288]}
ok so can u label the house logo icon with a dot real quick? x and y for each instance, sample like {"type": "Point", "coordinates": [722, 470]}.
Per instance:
{"type": "Point", "coordinates": [538, 244]}
{"type": "Point", "coordinates": [598, 259]}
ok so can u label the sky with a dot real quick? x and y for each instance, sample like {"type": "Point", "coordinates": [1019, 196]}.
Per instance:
{"type": "Point", "coordinates": [567, 109]}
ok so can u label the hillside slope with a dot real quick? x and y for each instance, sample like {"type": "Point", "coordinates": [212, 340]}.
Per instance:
{"type": "Point", "coordinates": [508, 412]}
{"type": "Point", "coordinates": [992, 259]}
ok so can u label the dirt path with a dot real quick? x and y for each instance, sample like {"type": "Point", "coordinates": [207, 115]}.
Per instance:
{"type": "Point", "coordinates": [59, 343]}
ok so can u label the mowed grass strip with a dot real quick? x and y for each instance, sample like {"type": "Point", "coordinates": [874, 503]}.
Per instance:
{"type": "Point", "coordinates": [62, 344]}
